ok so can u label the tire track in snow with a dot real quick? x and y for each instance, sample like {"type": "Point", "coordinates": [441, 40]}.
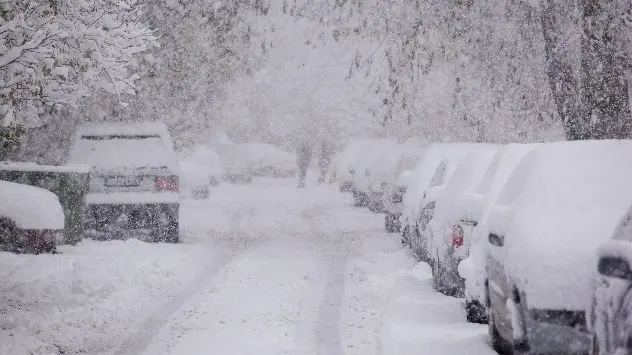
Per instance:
{"type": "Point", "coordinates": [329, 341]}
{"type": "Point", "coordinates": [140, 339]}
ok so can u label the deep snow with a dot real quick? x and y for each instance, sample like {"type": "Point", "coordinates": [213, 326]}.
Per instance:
{"type": "Point", "coordinates": [264, 268]}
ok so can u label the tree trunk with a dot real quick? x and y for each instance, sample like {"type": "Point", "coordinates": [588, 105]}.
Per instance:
{"type": "Point", "coordinates": [560, 72]}
{"type": "Point", "coordinates": [605, 110]}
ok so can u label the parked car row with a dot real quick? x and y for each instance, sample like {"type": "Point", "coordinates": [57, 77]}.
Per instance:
{"type": "Point", "coordinates": [537, 239]}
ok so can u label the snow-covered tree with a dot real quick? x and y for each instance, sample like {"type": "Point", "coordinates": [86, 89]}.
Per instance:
{"type": "Point", "coordinates": [448, 70]}
{"type": "Point", "coordinates": [57, 52]}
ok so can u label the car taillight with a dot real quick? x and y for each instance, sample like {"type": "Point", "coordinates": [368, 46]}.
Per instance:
{"type": "Point", "coordinates": [457, 236]}
{"type": "Point", "coordinates": [167, 183]}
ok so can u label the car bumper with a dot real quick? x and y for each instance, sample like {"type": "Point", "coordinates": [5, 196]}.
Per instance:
{"type": "Point", "coordinates": [548, 338]}
{"type": "Point", "coordinates": [105, 220]}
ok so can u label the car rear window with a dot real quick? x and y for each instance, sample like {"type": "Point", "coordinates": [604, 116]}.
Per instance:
{"type": "Point", "coordinates": [114, 151]}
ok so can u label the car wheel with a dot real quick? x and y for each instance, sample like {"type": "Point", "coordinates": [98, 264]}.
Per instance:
{"type": "Point", "coordinates": [405, 236]}
{"type": "Point", "coordinates": [499, 344]}
{"type": "Point", "coordinates": [388, 223]}
{"type": "Point", "coordinates": [168, 229]}
{"type": "Point", "coordinates": [475, 312]}
{"type": "Point", "coordinates": [173, 232]}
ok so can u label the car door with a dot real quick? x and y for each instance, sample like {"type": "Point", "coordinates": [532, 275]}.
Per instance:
{"type": "Point", "coordinates": [498, 285]}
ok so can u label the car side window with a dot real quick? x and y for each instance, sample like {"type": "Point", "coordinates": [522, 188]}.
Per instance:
{"type": "Point", "coordinates": [438, 178]}
{"type": "Point", "coordinates": [426, 215]}
{"type": "Point", "coordinates": [624, 230]}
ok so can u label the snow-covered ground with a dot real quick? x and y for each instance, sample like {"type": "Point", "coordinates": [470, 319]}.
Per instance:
{"type": "Point", "coordinates": [264, 269]}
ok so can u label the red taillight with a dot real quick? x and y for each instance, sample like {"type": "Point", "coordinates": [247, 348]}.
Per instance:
{"type": "Point", "coordinates": [167, 183]}
{"type": "Point", "coordinates": [457, 236]}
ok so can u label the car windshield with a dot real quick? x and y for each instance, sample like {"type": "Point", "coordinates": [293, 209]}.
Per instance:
{"type": "Point", "coordinates": [113, 151]}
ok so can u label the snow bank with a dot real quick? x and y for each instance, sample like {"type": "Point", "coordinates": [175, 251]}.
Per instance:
{"type": "Point", "coordinates": [91, 297]}
{"type": "Point", "coordinates": [30, 207]}
{"type": "Point", "coordinates": [560, 202]}
{"type": "Point", "coordinates": [419, 320]}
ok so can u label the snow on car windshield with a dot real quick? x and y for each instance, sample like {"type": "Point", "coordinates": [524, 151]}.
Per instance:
{"type": "Point", "coordinates": [113, 151]}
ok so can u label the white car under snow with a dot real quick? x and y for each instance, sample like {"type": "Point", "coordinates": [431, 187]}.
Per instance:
{"type": "Point", "coordinates": [473, 209]}
{"type": "Point", "coordinates": [559, 204]}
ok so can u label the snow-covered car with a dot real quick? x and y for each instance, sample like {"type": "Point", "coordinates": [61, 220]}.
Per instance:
{"type": "Point", "coordinates": [373, 161]}
{"type": "Point", "coordinates": [473, 210]}
{"type": "Point", "coordinates": [393, 202]}
{"type": "Point", "coordinates": [267, 160]}
{"type": "Point", "coordinates": [31, 219]}
{"type": "Point", "coordinates": [426, 188]}
{"type": "Point", "coordinates": [200, 170]}
{"type": "Point", "coordinates": [610, 314]}
{"type": "Point", "coordinates": [560, 203]}
{"type": "Point", "coordinates": [134, 185]}
{"type": "Point", "coordinates": [447, 231]}
{"type": "Point", "coordinates": [345, 162]}
{"type": "Point", "coordinates": [391, 165]}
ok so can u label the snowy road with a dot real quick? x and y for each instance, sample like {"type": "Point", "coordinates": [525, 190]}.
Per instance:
{"type": "Point", "coordinates": [264, 269]}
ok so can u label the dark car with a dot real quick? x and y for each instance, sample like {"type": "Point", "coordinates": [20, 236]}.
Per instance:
{"type": "Point", "coordinates": [134, 185]}
{"type": "Point", "coordinates": [31, 219]}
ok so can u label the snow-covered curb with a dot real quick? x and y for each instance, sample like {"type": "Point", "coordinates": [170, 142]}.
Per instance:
{"type": "Point", "coordinates": [418, 320]}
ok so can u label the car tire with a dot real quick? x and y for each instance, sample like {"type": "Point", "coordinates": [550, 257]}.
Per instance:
{"type": "Point", "coordinates": [173, 233]}
{"type": "Point", "coordinates": [405, 236]}
{"type": "Point", "coordinates": [475, 312]}
{"type": "Point", "coordinates": [388, 223]}
{"type": "Point", "coordinates": [358, 200]}
{"type": "Point", "coordinates": [496, 341]}
{"type": "Point", "coordinates": [169, 230]}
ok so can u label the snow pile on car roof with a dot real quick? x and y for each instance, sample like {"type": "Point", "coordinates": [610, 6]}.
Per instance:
{"type": "Point", "coordinates": [425, 170]}
{"type": "Point", "coordinates": [466, 177]}
{"type": "Point", "coordinates": [476, 205]}
{"type": "Point", "coordinates": [124, 145]}
{"type": "Point", "coordinates": [348, 157]}
{"type": "Point", "coordinates": [559, 204]}
{"type": "Point", "coordinates": [30, 207]}
{"type": "Point", "coordinates": [259, 155]}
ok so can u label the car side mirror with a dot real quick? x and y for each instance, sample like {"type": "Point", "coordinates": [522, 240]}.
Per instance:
{"type": "Point", "coordinates": [495, 239]}
{"type": "Point", "coordinates": [615, 267]}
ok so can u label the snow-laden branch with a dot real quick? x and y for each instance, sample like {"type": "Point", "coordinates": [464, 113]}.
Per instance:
{"type": "Point", "coordinates": [56, 52]}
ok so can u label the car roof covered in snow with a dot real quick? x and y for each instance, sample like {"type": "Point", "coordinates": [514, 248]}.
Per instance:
{"type": "Point", "coordinates": [425, 170]}
{"type": "Point", "coordinates": [28, 166]}
{"type": "Point", "coordinates": [114, 146]}
{"type": "Point", "coordinates": [468, 174]}
{"type": "Point", "coordinates": [350, 155]}
{"type": "Point", "coordinates": [559, 203]}
{"type": "Point", "coordinates": [475, 205]}
{"type": "Point", "coordinates": [30, 207]}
